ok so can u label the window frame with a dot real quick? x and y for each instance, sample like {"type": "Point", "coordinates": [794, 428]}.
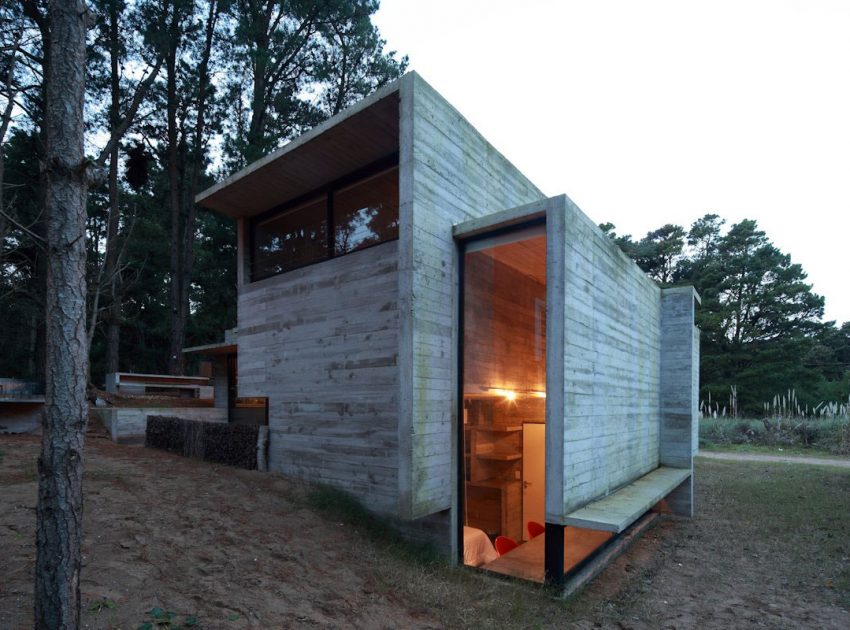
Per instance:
{"type": "Point", "coordinates": [374, 169]}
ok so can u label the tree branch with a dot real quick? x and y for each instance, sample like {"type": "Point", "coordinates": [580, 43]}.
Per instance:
{"type": "Point", "coordinates": [38, 238]}
{"type": "Point", "coordinates": [138, 97]}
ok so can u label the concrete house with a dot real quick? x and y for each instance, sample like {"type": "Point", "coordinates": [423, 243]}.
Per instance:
{"type": "Point", "coordinates": [465, 355]}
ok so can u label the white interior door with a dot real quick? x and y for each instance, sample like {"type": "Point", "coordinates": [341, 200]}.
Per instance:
{"type": "Point", "coordinates": [533, 475]}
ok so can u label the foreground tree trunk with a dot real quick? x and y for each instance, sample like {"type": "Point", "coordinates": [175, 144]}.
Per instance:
{"type": "Point", "coordinates": [60, 467]}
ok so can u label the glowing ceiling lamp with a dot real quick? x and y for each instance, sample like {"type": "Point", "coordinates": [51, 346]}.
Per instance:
{"type": "Point", "coordinates": [511, 395]}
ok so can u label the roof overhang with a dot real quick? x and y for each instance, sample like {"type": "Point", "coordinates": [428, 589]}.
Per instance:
{"type": "Point", "coordinates": [356, 137]}
{"type": "Point", "coordinates": [212, 349]}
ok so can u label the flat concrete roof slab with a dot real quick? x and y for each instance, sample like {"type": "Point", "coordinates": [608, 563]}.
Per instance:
{"type": "Point", "coordinates": [354, 138]}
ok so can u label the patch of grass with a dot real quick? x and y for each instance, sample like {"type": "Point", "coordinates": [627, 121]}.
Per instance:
{"type": "Point", "coordinates": [458, 597]}
{"type": "Point", "coordinates": [799, 513]}
{"type": "Point", "coordinates": [102, 604]}
{"type": "Point", "coordinates": [340, 506]}
{"type": "Point", "coordinates": [167, 620]}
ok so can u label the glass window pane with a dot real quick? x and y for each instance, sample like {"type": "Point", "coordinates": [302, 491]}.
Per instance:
{"type": "Point", "coordinates": [504, 393]}
{"type": "Point", "coordinates": [366, 213]}
{"type": "Point", "coordinates": [293, 239]}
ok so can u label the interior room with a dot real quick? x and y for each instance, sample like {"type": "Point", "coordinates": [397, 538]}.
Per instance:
{"type": "Point", "coordinates": [504, 408]}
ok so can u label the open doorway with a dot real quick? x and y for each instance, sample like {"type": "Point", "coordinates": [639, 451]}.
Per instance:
{"type": "Point", "coordinates": [503, 380]}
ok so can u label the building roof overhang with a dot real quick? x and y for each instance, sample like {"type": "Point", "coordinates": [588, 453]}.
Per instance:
{"type": "Point", "coordinates": [358, 136]}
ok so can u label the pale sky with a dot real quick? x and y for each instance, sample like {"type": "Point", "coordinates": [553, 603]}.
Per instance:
{"type": "Point", "coordinates": [651, 112]}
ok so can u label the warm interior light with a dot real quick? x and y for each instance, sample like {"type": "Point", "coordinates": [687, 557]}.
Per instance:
{"type": "Point", "coordinates": [511, 395]}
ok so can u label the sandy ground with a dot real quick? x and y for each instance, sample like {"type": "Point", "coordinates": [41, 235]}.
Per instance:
{"type": "Point", "coordinates": [242, 549]}
{"type": "Point", "coordinates": [231, 547]}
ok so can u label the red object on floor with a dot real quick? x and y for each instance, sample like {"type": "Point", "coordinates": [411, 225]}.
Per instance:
{"type": "Point", "coordinates": [535, 529]}
{"type": "Point", "coordinates": [505, 544]}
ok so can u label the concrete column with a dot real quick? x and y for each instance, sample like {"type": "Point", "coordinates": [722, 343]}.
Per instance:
{"type": "Point", "coordinates": [679, 430]}
{"type": "Point", "coordinates": [220, 381]}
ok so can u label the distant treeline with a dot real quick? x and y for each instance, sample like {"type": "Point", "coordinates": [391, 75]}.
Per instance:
{"type": "Point", "coordinates": [761, 325]}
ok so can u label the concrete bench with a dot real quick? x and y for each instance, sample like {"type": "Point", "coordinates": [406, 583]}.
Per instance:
{"type": "Point", "coordinates": [130, 383]}
{"type": "Point", "coordinates": [621, 508]}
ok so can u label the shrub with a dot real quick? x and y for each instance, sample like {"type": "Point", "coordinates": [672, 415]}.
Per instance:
{"type": "Point", "coordinates": [233, 444]}
{"type": "Point", "coordinates": [832, 434]}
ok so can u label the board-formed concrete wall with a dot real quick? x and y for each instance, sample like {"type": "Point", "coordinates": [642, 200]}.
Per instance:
{"type": "Point", "coordinates": [219, 381]}
{"type": "Point", "coordinates": [321, 342]}
{"type": "Point", "coordinates": [20, 417]}
{"type": "Point", "coordinates": [448, 173]}
{"type": "Point", "coordinates": [611, 362]}
{"type": "Point", "coordinates": [127, 425]}
{"type": "Point", "coordinates": [679, 436]}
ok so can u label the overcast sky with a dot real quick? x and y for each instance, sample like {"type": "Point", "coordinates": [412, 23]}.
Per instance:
{"type": "Point", "coordinates": [655, 112]}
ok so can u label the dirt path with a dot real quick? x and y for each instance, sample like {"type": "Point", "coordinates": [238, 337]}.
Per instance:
{"type": "Point", "coordinates": [780, 459]}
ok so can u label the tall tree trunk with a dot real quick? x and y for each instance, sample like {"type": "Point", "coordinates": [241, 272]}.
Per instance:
{"type": "Point", "coordinates": [113, 320]}
{"type": "Point", "coordinates": [196, 161]}
{"type": "Point", "coordinates": [183, 175]}
{"type": "Point", "coordinates": [259, 18]}
{"type": "Point", "coordinates": [4, 127]}
{"type": "Point", "coordinates": [32, 355]}
{"type": "Point", "coordinates": [178, 322]}
{"type": "Point", "coordinates": [60, 467]}
{"type": "Point", "coordinates": [2, 206]}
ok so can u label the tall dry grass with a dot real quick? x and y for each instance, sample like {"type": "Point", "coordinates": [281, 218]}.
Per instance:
{"type": "Point", "coordinates": [782, 406]}
{"type": "Point", "coordinates": [785, 422]}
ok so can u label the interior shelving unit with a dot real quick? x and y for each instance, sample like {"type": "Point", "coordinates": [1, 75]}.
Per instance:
{"type": "Point", "coordinates": [493, 468]}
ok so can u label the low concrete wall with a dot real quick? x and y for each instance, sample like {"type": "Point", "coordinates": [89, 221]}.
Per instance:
{"type": "Point", "coordinates": [20, 417]}
{"type": "Point", "coordinates": [126, 425]}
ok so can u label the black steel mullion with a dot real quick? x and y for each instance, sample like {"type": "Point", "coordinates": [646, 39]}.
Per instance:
{"type": "Point", "coordinates": [330, 225]}
{"type": "Point", "coordinates": [461, 437]}
{"type": "Point", "coordinates": [553, 560]}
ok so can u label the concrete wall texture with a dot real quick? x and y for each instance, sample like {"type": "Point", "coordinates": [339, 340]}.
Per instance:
{"type": "Point", "coordinates": [321, 342]}
{"type": "Point", "coordinates": [358, 355]}
{"type": "Point", "coordinates": [679, 421]}
{"type": "Point", "coordinates": [20, 417]}
{"type": "Point", "coordinates": [449, 173]}
{"type": "Point", "coordinates": [611, 363]}
{"type": "Point", "coordinates": [128, 424]}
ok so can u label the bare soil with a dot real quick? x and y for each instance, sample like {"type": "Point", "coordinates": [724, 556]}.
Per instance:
{"type": "Point", "coordinates": [242, 549]}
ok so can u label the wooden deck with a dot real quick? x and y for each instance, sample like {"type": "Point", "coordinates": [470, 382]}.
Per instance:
{"type": "Point", "coordinates": [526, 561]}
{"type": "Point", "coordinates": [623, 507]}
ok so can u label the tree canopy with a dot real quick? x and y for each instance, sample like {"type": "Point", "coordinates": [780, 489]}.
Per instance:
{"type": "Point", "coordinates": [188, 91]}
{"type": "Point", "coordinates": [761, 323]}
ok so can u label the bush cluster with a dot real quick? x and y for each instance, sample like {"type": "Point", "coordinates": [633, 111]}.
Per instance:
{"type": "Point", "coordinates": [233, 444]}
{"type": "Point", "coordinates": [831, 434]}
